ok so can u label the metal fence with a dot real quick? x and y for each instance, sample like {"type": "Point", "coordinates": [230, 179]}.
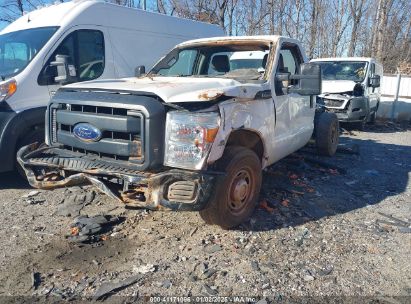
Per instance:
{"type": "Point", "coordinates": [395, 97]}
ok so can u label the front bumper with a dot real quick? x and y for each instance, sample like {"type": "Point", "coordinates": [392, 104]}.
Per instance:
{"type": "Point", "coordinates": [51, 167]}
{"type": "Point", "coordinates": [356, 111]}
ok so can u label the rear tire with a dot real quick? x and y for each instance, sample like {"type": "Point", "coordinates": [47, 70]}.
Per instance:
{"type": "Point", "coordinates": [236, 193]}
{"type": "Point", "coordinates": [35, 135]}
{"type": "Point", "coordinates": [327, 134]}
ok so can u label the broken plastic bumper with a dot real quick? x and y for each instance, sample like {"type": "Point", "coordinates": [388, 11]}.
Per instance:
{"type": "Point", "coordinates": [50, 168]}
{"type": "Point", "coordinates": [356, 111]}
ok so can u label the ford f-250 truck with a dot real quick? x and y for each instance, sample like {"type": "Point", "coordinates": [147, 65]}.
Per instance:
{"type": "Point", "coordinates": [192, 134]}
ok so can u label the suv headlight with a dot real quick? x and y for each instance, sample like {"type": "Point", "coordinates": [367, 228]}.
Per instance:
{"type": "Point", "coordinates": [7, 89]}
{"type": "Point", "coordinates": [189, 137]}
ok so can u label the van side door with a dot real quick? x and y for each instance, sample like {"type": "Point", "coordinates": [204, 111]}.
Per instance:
{"type": "Point", "coordinates": [86, 53]}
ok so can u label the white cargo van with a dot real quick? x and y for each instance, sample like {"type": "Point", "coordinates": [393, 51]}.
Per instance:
{"type": "Point", "coordinates": [351, 88]}
{"type": "Point", "coordinates": [98, 41]}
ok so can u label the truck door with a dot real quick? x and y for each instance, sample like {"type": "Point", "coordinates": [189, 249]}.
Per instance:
{"type": "Point", "coordinates": [294, 112]}
{"type": "Point", "coordinates": [86, 58]}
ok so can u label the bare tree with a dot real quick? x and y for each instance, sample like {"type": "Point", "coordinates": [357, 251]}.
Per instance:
{"type": "Point", "coordinates": [378, 28]}
{"type": "Point", "coordinates": [357, 10]}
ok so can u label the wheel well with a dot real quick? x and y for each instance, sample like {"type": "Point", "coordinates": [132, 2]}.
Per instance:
{"type": "Point", "coordinates": [28, 131]}
{"type": "Point", "coordinates": [248, 139]}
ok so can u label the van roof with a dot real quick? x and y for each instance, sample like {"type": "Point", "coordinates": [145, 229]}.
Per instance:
{"type": "Point", "coordinates": [50, 15]}
{"type": "Point", "coordinates": [92, 12]}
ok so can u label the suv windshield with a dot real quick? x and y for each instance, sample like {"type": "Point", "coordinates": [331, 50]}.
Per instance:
{"type": "Point", "coordinates": [343, 70]}
{"type": "Point", "coordinates": [242, 62]}
{"type": "Point", "coordinates": [18, 48]}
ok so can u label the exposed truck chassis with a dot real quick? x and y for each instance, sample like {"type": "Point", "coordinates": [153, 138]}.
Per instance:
{"type": "Point", "coordinates": [51, 168]}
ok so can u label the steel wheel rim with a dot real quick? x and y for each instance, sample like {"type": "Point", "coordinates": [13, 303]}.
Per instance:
{"type": "Point", "coordinates": [240, 191]}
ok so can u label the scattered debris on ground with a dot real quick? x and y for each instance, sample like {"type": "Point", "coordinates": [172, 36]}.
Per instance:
{"type": "Point", "coordinates": [75, 201]}
{"type": "Point", "coordinates": [86, 229]}
{"type": "Point", "coordinates": [323, 227]}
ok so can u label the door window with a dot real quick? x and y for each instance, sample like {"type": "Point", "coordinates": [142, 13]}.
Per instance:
{"type": "Point", "coordinates": [85, 51]}
{"type": "Point", "coordinates": [289, 61]}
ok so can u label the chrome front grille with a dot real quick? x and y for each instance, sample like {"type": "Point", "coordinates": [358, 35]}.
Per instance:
{"type": "Point", "coordinates": [122, 131]}
{"type": "Point", "coordinates": [333, 102]}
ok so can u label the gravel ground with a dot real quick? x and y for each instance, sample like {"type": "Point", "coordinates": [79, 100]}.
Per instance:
{"type": "Point", "coordinates": [337, 227]}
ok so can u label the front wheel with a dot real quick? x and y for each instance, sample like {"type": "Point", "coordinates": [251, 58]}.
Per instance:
{"type": "Point", "coordinates": [35, 135]}
{"type": "Point", "coordinates": [373, 117]}
{"type": "Point", "coordinates": [237, 192]}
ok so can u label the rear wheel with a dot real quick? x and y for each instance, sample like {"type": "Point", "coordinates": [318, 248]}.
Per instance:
{"type": "Point", "coordinates": [327, 134]}
{"type": "Point", "coordinates": [237, 192]}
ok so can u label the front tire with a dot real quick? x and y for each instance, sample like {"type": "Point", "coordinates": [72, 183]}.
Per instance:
{"type": "Point", "coordinates": [373, 118]}
{"type": "Point", "coordinates": [35, 135]}
{"type": "Point", "coordinates": [237, 192]}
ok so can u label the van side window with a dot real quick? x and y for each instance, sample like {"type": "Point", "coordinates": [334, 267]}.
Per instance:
{"type": "Point", "coordinates": [85, 51]}
{"type": "Point", "coordinates": [289, 61]}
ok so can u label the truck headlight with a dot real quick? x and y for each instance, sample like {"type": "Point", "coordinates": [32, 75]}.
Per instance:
{"type": "Point", "coordinates": [7, 89]}
{"type": "Point", "coordinates": [189, 137]}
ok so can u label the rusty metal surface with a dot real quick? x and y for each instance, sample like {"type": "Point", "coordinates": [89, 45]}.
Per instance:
{"type": "Point", "coordinates": [142, 191]}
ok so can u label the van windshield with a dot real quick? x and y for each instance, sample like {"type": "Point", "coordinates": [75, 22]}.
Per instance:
{"type": "Point", "coordinates": [18, 48]}
{"type": "Point", "coordinates": [343, 70]}
{"type": "Point", "coordinates": [237, 61]}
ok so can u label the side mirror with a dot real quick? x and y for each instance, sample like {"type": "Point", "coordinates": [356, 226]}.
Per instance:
{"type": "Point", "coordinates": [374, 81]}
{"type": "Point", "coordinates": [140, 70]}
{"type": "Point", "coordinates": [64, 71]}
{"type": "Point", "coordinates": [309, 80]}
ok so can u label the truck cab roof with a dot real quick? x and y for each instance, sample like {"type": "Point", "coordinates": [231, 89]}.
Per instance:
{"type": "Point", "coordinates": [233, 39]}
{"type": "Point", "coordinates": [368, 59]}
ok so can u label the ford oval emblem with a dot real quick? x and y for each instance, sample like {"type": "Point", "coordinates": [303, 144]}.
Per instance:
{"type": "Point", "coordinates": [87, 132]}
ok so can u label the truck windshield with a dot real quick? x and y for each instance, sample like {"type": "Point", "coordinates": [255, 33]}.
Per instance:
{"type": "Point", "coordinates": [343, 70]}
{"type": "Point", "coordinates": [18, 48]}
{"type": "Point", "coordinates": [242, 62]}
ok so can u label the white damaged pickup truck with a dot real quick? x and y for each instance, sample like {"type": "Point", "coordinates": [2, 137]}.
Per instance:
{"type": "Point", "coordinates": [194, 133]}
{"type": "Point", "coordinates": [351, 88]}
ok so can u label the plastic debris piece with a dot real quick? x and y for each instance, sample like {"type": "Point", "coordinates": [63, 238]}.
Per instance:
{"type": "Point", "coordinates": [264, 205]}
{"type": "Point", "coordinates": [285, 202]}
{"type": "Point", "coordinates": [107, 289]}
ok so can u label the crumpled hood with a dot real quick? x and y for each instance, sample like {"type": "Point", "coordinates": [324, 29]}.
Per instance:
{"type": "Point", "coordinates": [337, 86]}
{"type": "Point", "coordinates": [178, 89]}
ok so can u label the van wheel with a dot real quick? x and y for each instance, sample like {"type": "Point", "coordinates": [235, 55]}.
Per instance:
{"type": "Point", "coordinates": [359, 125]}
{"type": "Point", "coordinates": [236, 193]}
{"type": "Point", "coordinates": [327, 134]}
{"type": "Point", "coordinates": [373, 117]}
{"type": "Point", "coordinates": [36, 135]}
